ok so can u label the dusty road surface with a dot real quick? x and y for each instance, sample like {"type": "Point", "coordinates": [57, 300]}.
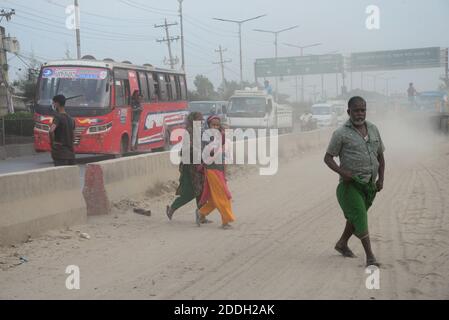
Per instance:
{"type": "Point", "coordinates": [280, 248]}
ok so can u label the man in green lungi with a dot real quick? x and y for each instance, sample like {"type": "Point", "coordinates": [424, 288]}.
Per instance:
{"type": "Point", "coordinates": [361, 152]}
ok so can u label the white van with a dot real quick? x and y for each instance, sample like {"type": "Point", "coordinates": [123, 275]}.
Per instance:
{"type": "Point", "coordinates": [324, 114]}
{"type": "Point", "coordinates": [256, 109]}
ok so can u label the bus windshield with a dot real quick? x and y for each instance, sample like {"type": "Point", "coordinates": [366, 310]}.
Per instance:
{"type": "Point", "coordinates": [247, 107]}
{"type": "Point", "coordinates": [82, 87]}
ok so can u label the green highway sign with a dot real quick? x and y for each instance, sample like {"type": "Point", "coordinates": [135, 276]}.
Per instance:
{"type": "Point", "coordinates": [302, 65]}
{"type": "Point", "coordinates": [396, 59]}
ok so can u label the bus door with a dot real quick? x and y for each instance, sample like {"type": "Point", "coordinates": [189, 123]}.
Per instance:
{"type": "Point", "coordinates": [123, 114]}
{"type": "Point", "coordinates": [144, 136]}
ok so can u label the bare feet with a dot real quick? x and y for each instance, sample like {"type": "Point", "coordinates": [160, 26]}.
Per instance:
{"type": "Point", "coordinates": [169, 211]}
{"type": "Point", "coordinates": [371, 261]}
{"type": "Point", "coordinates": [198, 217]}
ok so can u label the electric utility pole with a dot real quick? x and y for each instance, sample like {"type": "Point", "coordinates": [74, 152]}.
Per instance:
{"type": "Point", "coordinates": [222, 64]}
{"type": "Point", "coordinates": [171, 61]}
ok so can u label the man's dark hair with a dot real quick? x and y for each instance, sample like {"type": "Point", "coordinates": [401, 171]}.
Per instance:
{"type": "Point", "coordinates": [59, 99]}
{"type": "Point", "coordinates": [356, 100]}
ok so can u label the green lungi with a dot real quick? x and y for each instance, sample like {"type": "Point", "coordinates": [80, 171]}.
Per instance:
{"type": "Point", "coordinates": [355, 198]}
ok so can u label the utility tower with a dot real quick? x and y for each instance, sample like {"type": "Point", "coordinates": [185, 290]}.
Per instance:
{"type": "Point", "coordinates": [5, 94]}
{"type": "Point", "coordinates": [171, 60]}
{"type": "Point", "coordinates": [222, 64]}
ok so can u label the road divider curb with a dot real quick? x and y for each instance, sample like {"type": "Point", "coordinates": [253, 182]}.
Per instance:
{"type": "Point", "coordinates": [112, 181]}
{"type": "Point", "coordinates": [33, 202]}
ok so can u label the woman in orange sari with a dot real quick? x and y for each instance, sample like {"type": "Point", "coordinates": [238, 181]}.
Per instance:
{"type": "Point", "coordinates": [216, 193]}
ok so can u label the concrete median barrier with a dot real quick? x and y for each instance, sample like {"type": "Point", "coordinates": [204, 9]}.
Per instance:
{"type": "Point", "coordinates": [111, 181]}
{"type": "Point", "coordinates": [296, 143]}
{"type": "Point", "coordinates": [33, 202]}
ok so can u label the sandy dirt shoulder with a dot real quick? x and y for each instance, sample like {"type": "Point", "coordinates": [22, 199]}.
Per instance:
{"type": "Point", "coordinates": [281, 246]}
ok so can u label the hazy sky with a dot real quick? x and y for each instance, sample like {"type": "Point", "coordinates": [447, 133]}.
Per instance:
{"type": "Point", "coordinates": [124, 30]}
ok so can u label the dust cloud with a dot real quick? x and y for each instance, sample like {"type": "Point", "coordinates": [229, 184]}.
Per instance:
{"type": "Point", "coordinates": [408, 136]}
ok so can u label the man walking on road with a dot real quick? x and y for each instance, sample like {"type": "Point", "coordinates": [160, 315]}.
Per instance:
{"type": "Point", "coordinates": [360, 149]}
{"type": "Point", "coordinates": [62, 134]}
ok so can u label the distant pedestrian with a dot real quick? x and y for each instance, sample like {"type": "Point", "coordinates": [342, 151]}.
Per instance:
{"type": "Point", "coordinates": [361, 152]}
{"type": "Point", "coordinates": [267, 87]}
{"type": "Point", "coordinates": [412, 93]}
{"type": "Point", "coordinates": [62, 134]}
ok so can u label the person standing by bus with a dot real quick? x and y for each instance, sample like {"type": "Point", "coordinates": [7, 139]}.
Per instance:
{"type": "Point", "coordinates": [62, 134]}
{"type": "Point", "coordinates": [136, 104]}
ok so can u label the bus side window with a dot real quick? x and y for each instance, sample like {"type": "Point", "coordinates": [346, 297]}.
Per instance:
{"type": "Point", "coordinates": [122, 87]}
{"type": "Point", "coordinates": [119, 93]}
{"type": "Point", "coordinates": [174, 94]}
{"type": "Point", "coordinates": [162, 87]}
{"type": "Point", "coordinates": [169, 87]}
{"type": "Point", "coordinates": [178, 88]}
{"type": "Point", "coordinates": [153, 86]}
{"type": "Point", "coordinates": [127, 92]}
{"type": "Point", "coordinates": [143, 85]}
{"type": "Point", "coordinates": [182, 83]}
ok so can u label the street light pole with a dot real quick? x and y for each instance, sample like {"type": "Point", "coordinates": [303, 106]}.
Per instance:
{"type": "Point", "coordinates": [241, 54]}
{"type": "Point", "coordinates": [387, 82]}
{"type": "Point", "coordinates": [323, 92]}
{"type": "Point", "coordinates": [322, 87]}
{"type": "Point", "coordinates": [240, 22]}
{"type": "Point", "coordinates": [77, 30]}
{"type": "Point", "coordinates": [301, 48]}
{"type": "Point", "coordinates": [374, 76]}
{"type": "Point", "coordinates": [183, 62]}
{"type": "Point", "coordinates": [276, 33]}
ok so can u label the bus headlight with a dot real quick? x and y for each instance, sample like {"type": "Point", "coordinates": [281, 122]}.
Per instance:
{"type": "Point", "coordinates": [99, 129]}
{"type": "Point", "coordinates": [41, 127]}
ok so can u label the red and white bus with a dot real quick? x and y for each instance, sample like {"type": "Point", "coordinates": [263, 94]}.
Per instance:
{"type": "Point", "coordinates": [101, 104]}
